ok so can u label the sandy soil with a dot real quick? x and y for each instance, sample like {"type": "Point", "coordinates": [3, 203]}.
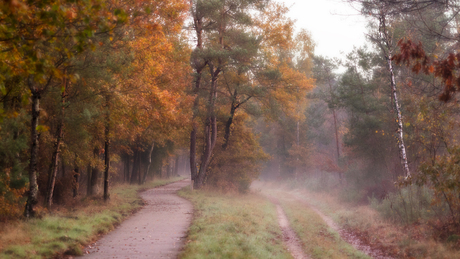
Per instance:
{"type": "Point", "coordinates": [291, 241]}
{"type": "Point", "coordinates": [158, 230]}
{"type": "Point", "coordinates": [349, 237]}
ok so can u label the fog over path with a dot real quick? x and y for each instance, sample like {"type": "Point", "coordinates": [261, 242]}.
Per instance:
{"type": "Point", "coordinates": [158, 230]}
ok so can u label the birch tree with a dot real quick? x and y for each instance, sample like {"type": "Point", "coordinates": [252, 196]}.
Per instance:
{"type": "Point", "coordinates": [380, 13]}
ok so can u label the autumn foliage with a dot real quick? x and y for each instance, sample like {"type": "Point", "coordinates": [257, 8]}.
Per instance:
{"type": "Point", "coordinates": [446, 69]}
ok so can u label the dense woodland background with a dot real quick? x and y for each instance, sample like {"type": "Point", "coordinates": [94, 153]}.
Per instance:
{"type": "Point", "coordinates": [101, 91]}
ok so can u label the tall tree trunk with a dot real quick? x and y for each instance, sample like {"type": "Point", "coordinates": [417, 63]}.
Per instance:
{"type": "Point", "coordinates": [193, 171]}
{"type": "Point", "coordinates": [127, 166]}
{"type": "Point", "coordinates": [210, 131]}
{"type": "Point", "coordinates": [94, 180]}
{"type": "Point", "coordinates": [89, 172]}
{"type": "Point", "coordinates": [76, 176]}
{"type": "Point", "coordinates": [211, 135]}
{"type": "Point", "coordinates": [134, 171]}
{"type": "Point", "coordinates": [32, 198]}
{"type": "Point", "coordinates": [57, 149]}
{"type": "Point", "coordinates": [107, 150]}
{"type": "Point", "coordinates": [139, 166]}
{"type": "Point", "coordinates": [95, 174]}
{"type": "Point", "coordinates": [334, 116]}
{"type": "Point", "coordinates": [229, 121]}
{"type": "Point", "coordinates": [53, 167]}
{"type": "Point", "coordinates": [297, 142]}
{"type": "Point", "coordinates": [198, 26]}
{"type": "Point", "coordinates": [149, 162]}
{"type": "Point", "coordinates": [385, 43]}
{"type": "Point", "coordinates": [187, 166]}
{"type": "Point", "coordinates": [401, 145]}
{"type": "Point", "coordinates": [176, 166]}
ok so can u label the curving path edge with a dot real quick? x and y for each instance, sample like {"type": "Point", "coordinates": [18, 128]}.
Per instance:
{"type": "Point", "coordinates": [158, 230]}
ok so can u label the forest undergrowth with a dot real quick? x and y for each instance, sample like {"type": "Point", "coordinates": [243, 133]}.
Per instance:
{"type": "Point", "coordinates": [376, 222]}
{"type": "Point", "coordinates": [317, 238]}
{"type": "Point", "coordinates": [72, 226]}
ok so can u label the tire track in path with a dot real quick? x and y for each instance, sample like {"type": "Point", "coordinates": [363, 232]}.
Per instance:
{"type": "Point", "coordinates": [289, 236]}
{"type": "Point", "coordinates": [348, 236]}
{"type": "Point", "coordinates": [158, 230]}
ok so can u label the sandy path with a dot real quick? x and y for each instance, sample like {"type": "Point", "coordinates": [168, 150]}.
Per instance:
{"type": "Point", "coordinates": [291, 241]}
{"type": "Point", "coordinates": [157, 231]}
{"type": "Point", "coordinates": [348, 236]}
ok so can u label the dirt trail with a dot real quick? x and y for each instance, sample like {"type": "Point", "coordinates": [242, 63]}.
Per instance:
{"type": "Point", "coordinates": [348, 236]}
{"type": "Point", "coordinates": [289, 236]}
{"type": "Point", "coordinates": [158, 230]}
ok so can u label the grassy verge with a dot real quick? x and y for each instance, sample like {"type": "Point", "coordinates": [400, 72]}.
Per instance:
{"type": "Point", "coordinates": [68, 230]}
{"type": "Point", "coordinates": [318, 240]}
{"type": "Point", "coordinates": [232, 226]}
{"type": "Point", "coordinates": [410, 241]}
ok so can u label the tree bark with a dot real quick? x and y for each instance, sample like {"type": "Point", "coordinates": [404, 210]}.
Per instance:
{"type": "Point", "coordinates": [54, 167]}
{"type": "Point", "coordinates": [230, 120]}
{"type": "Point", "coordinates": [94, 180]}
{"type": "Point", "coordinates": [193, 169]}
{"type": "Point", "coordinates": [210, 140]}
{"type": "Point", "coordinates": [127, 166]}
{"type": "Point", "coordinates": [149, 162]}
{"type": "Point", "coordinates": [385, 43]}
{"type": "Point", "coordinates": [134, 171]}
{"type": "Point", "coordinates": [198, 26]}
{"type": "Point", "coordinates": [334, 116]}
{"type": "Point", "coordinates": [176, 166]}
{"type": "Point", "coordinates": [139, 166]}
{"type": "Point", "coordinates": [76, 176]}
{"type": "Point", "coordinates": [89, 171]}
{"type": "Point", "coordinates": [401, 145]}
{"type": "Point", "coordinates": [32, 198]}
{"type": "Point", "coordinates": [55, 157]}
{"type": "Point", "coordinates": [107, 151]}
{"type": "Point", "coordinates": [95, 175]}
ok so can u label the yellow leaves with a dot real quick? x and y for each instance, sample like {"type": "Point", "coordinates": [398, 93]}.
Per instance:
{"type": "Point", "coordinates": [42, 128]}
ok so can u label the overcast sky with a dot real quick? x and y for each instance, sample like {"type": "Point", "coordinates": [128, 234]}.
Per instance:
{"type": "Point", "coordinates": [334, 25]}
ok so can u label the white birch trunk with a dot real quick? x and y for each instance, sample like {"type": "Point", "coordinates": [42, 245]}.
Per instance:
{"type": "Point", "coordinates": [401, 145]}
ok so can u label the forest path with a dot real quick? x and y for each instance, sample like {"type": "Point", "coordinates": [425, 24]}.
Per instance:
{"type": "Point", "coordinates": [347, 236]}
{"type": "Point", "coordinates": [290, 238]}
{"type": "Point", "coordinates": [158, 230]}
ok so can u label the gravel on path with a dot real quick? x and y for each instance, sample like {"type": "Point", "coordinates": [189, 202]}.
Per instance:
{"type": "Point", "coordinates": [158, 230]}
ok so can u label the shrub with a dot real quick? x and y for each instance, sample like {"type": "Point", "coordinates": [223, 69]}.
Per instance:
{"type": "Point", "coordinates": [234, 168]}
{"type": "Point", "coordinates": [408, 205]}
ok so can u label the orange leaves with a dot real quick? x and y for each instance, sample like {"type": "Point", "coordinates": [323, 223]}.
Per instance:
{"type": "Point", "coordinates": [71, 14]}
{"type": "Point", "coordinates": [275, 27]}
{"type": "Point", "coordinates": [11, 199]}
{"type": "Point", "coordinates": [414, 56]}
{"type": "Point", "coordinates": [154, 102]}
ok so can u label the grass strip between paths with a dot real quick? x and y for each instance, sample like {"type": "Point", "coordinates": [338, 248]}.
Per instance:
{"type": "Point", "coordinates": [318, 240]}
{"type": "Point", "coordinates": [68, 230]}
{"type": "Point", "coordinates": [232, 226]}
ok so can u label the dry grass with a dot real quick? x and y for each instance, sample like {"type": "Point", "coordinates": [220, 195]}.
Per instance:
{"type": "Point", "coordinates": [412, 241]}
{"type": "Point", "coordinates": [317, 238]}
{"type": "Point", "coordinates": [68, 229]}
{"type": "Point", "coordinates": [233, 226]}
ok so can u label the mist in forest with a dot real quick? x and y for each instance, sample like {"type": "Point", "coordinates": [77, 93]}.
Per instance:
{"type": "Point", "coordinates": [94, 95]}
